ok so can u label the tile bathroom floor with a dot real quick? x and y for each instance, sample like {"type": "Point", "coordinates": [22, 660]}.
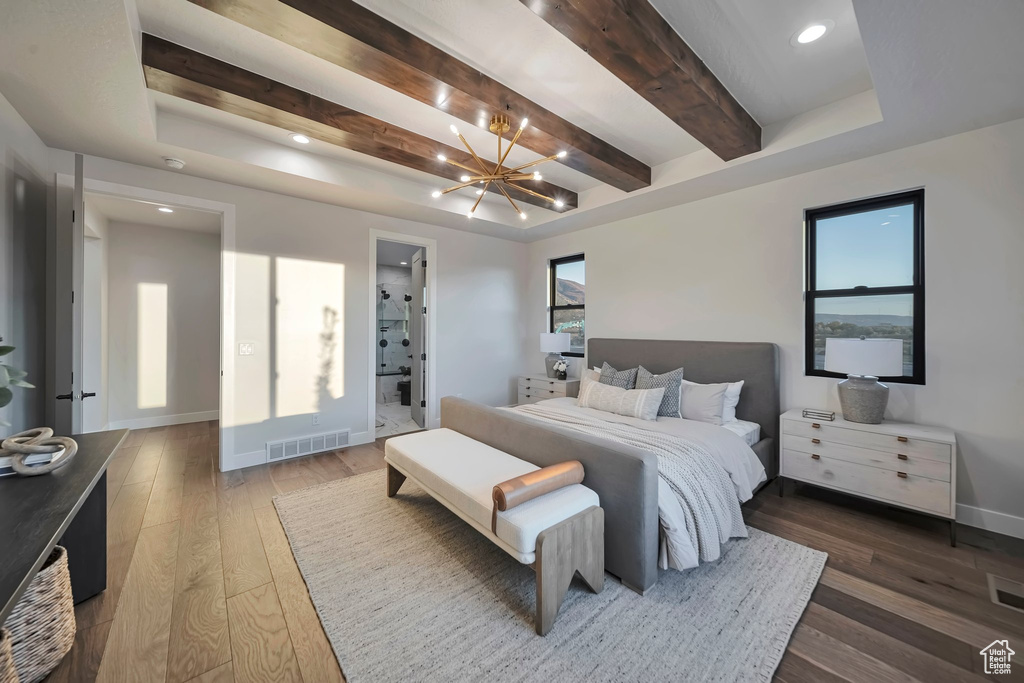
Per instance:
{"type": "Point", "coordinates": [397, 419]}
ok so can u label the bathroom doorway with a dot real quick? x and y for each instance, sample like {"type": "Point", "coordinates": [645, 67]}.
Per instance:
{"type": "Point", "coordinates": [400, 337]}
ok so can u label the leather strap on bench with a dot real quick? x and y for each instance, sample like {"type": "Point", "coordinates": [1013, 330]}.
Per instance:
{"type": "Point", "coordinates": [515, 492]}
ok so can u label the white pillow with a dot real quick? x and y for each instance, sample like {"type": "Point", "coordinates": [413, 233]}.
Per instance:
{"type": "Point", "coordinates": [641, 403]}
{"type": "Point", "coordinates": [709, 413]}
{"type": "Point", "coordinates": [732, 399]}
{"type": "Point", "coordinates": [590, 375]}
{"type": "Point", "coordinates": [702, 402]}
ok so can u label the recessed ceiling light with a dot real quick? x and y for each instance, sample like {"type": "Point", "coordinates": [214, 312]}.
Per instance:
{"type": "Point", "coordinates": [886, 223]}
{"type": "Point", "coordinates": [404, 263]}
{"type": "Point", "coordinates": [165, 209]}
{"type": "Point", "coordinates": [300, 138]}
{"type": "Point", "coordinates": [812, 32]}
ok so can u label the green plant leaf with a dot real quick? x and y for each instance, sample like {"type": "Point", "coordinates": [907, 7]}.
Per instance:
{"type": "Point", "coordinates": [5, 396]}
{"type": "Point", "coordinates": [22, 383]}
{"type": "Point", "coordinates": [5, 379]}
{"type": "Point", "coordinates": [15, 373]}
{"type": "Point", "coordinates": [4, 350]}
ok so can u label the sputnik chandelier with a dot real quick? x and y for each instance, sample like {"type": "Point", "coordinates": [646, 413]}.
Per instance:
{"type": "Point", "coordinates": [500, 176]}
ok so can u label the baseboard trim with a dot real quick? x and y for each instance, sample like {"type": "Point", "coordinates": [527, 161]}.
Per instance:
{"type": "Point", "coordinates": [165, 420]}
{"type": "Point", "coordinates": [240, 460]}
{"type": "Point", "coordinates": [990, 520]}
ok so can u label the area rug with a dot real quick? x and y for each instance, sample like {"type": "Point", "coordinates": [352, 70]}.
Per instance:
{"type": "Point", "coordinates": [406, 591]}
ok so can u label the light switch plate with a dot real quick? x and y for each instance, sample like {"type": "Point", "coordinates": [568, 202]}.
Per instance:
{"type": "Point", "coordinates": [246, 348]}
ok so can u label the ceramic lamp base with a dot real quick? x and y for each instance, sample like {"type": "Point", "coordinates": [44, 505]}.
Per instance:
{"type": "Point", "coordinates": [863, 399]}
{"type": "Point", "coordinates": [549, 363]}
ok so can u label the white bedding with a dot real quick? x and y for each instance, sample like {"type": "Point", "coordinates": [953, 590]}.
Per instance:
{"type": "Point", "coordinates": [748, 431]}
{"type": "Point", "coordinates": [728, 448]}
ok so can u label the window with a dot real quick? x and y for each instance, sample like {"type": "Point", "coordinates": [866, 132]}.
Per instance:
{"type": "Point", "coordinates": [865, 278]}
{"type": "Point", "coordinates": [567, 299]}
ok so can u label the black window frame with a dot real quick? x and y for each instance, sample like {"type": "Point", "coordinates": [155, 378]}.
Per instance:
{"type": "Point", "coordinates": [552, 269]}
{"type": "Point", "coordinates": [812, 294]}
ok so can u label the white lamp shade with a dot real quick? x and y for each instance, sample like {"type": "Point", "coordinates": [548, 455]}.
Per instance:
{"type": "Point", "coordinates": [554, 342]}
{"type": "Point", "coordinates": [873, 357]}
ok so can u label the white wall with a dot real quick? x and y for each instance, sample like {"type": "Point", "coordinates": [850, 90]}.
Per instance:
{"type": "Point", "coordinates": [731, 268]}
{"type": "Point", "coordinates": [302, 246]}
{"type": "Point", "coordinates": [184, 265]}
{"type": "Point", "coordinates": [23, 213]}
{"type": "Point", "coordinates": [95, 351]}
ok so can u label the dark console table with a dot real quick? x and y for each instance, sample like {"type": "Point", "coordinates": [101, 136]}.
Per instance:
{"type": "Point", "coordinates": [68, 507]}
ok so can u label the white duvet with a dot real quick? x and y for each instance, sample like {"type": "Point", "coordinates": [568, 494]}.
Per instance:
{"type": "Point", "coordinates": [676, 549]}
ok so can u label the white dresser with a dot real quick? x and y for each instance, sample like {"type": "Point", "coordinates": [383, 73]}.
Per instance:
{"type": "Point", "coordinates": [907, 465]}
{"type": "Point", "coordinates": [533, 388]}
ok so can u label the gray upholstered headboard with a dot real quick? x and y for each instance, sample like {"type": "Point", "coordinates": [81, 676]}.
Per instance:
{"type": "Point", "coordinates": [757, 363]}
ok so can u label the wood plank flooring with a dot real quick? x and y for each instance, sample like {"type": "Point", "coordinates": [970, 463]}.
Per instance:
{"type": "Point", "coordinates": [202, 585]}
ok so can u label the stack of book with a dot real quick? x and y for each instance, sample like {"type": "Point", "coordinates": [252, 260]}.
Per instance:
{"type": "Point", "coordinates": [34, 459]}
{"type": "Point", "coordinates": [815, 414]}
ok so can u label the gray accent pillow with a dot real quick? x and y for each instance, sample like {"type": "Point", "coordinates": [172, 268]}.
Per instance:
{"type": "Point", "coordinates": [670, 382]}
{"type": "Point", "coordinates": [702, 402]}
{"type": "Point", "coordinates": [625, 379]}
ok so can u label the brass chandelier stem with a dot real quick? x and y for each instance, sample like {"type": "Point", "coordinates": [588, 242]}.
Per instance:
{"type": "Point", "coordinates": [516, 208]}
{"type": "Point", "coordinates": [528, 191]}
{"type": "Point", "coordinates": [480, 198]}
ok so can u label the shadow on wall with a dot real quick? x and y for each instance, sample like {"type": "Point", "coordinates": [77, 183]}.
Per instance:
{"type": "Point", "coordinates": [290, 322]}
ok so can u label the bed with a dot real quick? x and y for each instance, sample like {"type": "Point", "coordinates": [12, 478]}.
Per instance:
{"type": "Point", "coordinates": [624, 471]}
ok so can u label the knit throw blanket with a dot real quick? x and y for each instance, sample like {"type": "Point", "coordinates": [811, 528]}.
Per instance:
{"type": "Point", "coordinates": [701, 484]}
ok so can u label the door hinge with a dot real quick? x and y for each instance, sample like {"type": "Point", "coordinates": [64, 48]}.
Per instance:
{"type": "Point", "coordinates": [423, 404]}
{"type": "Point", "coordinates": [72, 296]}
{"type": "Point", "coordinates": [424, 263]}
{"type": "Point", "coordinates": [424, 310]}
{"type": "Point", "coordinates": [423, 356]}
{"type": "Point", "coordinates": [72, 215]}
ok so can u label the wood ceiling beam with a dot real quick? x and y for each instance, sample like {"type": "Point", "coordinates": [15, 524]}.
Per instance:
{"type": "Point", "coordinates": [633, 41]}
{"type": "Point", "coordinates": [351, 36]}
{"type": "Point", "coordinates": [190, 75]}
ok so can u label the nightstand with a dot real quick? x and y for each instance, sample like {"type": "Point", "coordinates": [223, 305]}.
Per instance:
{"type": "Point", "coordinates": [906, 465]}
{"type": "Point", "coordinates": [533, 388]}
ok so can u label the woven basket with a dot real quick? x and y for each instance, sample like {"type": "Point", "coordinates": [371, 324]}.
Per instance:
{"type": "Point", "coordinates": [8, 674]}
{"type": "Point", "coordinates": [42, 624]}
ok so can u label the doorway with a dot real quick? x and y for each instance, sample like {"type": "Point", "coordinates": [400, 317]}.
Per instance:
{"type": "Point", "coordinates": [151, 330]}
{"type": "Point", "coordinates": [401, 334]}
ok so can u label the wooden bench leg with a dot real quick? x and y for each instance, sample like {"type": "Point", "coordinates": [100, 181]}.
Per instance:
{"type": "Point", "coordinates": [575, 545]}
{"type": "Point", "coordinates": [395, 480]}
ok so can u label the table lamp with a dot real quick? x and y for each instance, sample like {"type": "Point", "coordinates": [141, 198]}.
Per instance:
{"type": "Point", "coordinates": [554, 343]}
{"type": "Point", "coordinates": [862, 397]}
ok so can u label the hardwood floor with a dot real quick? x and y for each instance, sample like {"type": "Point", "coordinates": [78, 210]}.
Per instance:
{"type": "Point", "coordinates": [202, 585]}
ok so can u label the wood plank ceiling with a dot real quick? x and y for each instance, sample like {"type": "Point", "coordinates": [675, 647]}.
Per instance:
{"type": "Point", "coordinates": [627, 37]}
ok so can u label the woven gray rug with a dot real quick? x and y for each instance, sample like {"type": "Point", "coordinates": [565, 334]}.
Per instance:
{"type": "Point", "coordinates": [406, 591]}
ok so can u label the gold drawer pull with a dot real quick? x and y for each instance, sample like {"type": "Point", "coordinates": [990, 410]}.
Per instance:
{"type": "Point", "coordinates": [815, 425]}
{"type": "Point", "coordinates": [901, 475]}
{"type": "Point", "coordinates": [815, 440]}
{"type": "Point", "coordinates": [815, 456]}
{"type": "Point", "coordinates": [902, 457]}
{"type": "Point", "coordinates": [902, 439]}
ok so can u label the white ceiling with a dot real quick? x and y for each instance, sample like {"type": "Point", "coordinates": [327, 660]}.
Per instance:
{"type": "Point", "coordinates": [750, 50]}
{"type": "Point", "coordinates": [138, 212]}
{"type": "Point", "coordinates": [71, 69]}
{"type": "Point", "coordinates": [394, 253]}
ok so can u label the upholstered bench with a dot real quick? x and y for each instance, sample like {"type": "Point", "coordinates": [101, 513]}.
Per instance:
{"type": "Point", "coordinates": [542, 517]}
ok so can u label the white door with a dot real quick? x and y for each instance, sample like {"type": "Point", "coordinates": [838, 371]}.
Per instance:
{"type": "Point", "coordinates": [417, 335]}
{"type": "Point", "coordinates": [69, 275]}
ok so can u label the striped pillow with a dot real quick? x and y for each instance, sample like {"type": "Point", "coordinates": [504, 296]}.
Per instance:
{"type": "Point", "coordinates": [641, 403]}
{"type": "Point", "coordinates": [671, 381]}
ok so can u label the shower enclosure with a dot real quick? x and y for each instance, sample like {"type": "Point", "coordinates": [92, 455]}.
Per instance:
{"type": "Point", "coordinates": [394, 349]}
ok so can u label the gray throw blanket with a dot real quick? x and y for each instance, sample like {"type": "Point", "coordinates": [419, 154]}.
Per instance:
{"type": "Point", "coordinates": [703, 487]}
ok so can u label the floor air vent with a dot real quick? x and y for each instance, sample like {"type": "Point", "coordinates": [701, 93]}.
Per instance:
{"type": "Point", "coordinates": [1006, 592]}
{"type": "Point", "coordinates": [306, 445]}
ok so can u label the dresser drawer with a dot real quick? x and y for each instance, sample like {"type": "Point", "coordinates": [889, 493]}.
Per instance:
{"type": "Point", "coordinates": [897, 462]}
{"type": "Point", "coordinates": [529, 397]}
{"type": "Point", "coordinates": [548, 389]}
{"type": "Point", "coordinates": [911, 490]}
{"type": "Point", "coordinates": [931, 450]}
